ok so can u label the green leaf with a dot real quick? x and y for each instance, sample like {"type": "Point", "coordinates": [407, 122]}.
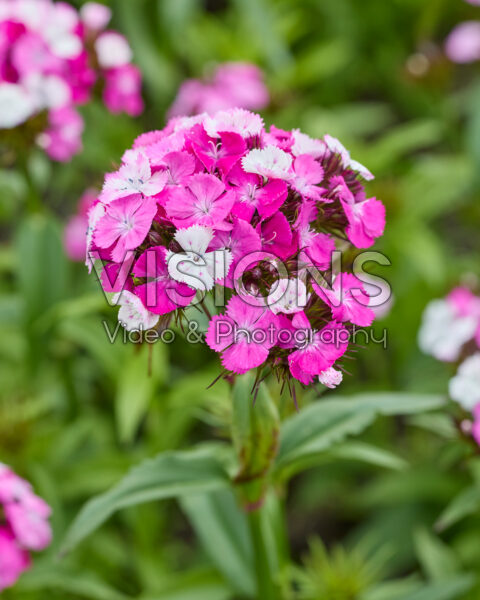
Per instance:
{"type": "Point", "coordinates": [466, 503]}
{"type": "Point", "coordinates": [437, 560]}
{"type": "Point", "coordinates": [223, 530]}
{"type": "Point", "coordinates": [168, 475]}
{"type": "Point", "coordinates": [90, 334]}
{"type": "Point", "coordinates": [445, 590]}
{"type": "Point", "coordinates": [369, 454]}
{"type": "Point", "coordinates": [58, 578]}
{"type": "Point", "coordinates": [136, 387]}
{"type": "Point", "coordinates": [440, 181]}
{"type": "Point", "coordinates": [194, 585]}
{"type": "Point", "coordinates": [324, 423]}
{"type": "Point", "coordinates": [39, 244]}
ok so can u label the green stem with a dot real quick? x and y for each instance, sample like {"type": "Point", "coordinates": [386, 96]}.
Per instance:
{"type": "Point", "coordinates": [265, 583]}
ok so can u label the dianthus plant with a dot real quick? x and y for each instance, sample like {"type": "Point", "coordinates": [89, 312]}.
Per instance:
{"type": "Point", "coordinates": [256, 231]}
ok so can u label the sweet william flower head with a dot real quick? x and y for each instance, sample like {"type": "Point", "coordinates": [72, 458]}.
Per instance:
{"type": "Point", "coordinates": [25, 526]}
{"type": "Point", "coordinates": [215, 202]}
{"type": "Point", "coordinates": [51, 57]}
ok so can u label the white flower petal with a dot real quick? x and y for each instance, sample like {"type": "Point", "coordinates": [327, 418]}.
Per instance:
{"type": "Point", "coordinates": [196, 238]}
{"type": "Point", "coordinates": [16, 105]}
{"type": "Point", "coordinates": [112, 50]}
{"type": "Point", "coordinates": [268, 162]}
{"type": "Point", "coordinates": [133, 315]}
{"type": "Point", "coordinates": [465, 386]}
{"type": "Point", "coordinates": [442, 333]}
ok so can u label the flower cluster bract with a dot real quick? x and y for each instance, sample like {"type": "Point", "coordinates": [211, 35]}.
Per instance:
{"type": "Point", "coordinates": [450, 332]}
{"type": "Point", "coordinates": [217, 201]}
{"type": "Point", "coordinates": [51, 57]}
{"type": "Point", "coordinates": [232, 85]}
{"type": "Point", "coordinates": [24, 525]}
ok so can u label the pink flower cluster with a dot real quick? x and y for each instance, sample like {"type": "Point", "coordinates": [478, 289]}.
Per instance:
{"type": "Point", "coordinates": [218, 202]}
{"type": "Point", "coordinates": [232, 85]}
{"type": "Point", "coordinates": [51, 56]}
{"type": "Point", "coordinates": [463, 42]}
{"type": "Point", "coordinates": [24, 526]}
{"type": "Point", "coordinates": [450, 332]}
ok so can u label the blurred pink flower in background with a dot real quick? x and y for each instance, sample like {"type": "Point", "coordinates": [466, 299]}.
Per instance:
{"type": "Point", "coordinates": [25, 526]}
{"type": "Point", "coordinates": [63, 137]}
{"type": "Point", "coordinates": [74, 235]}
{"type": "Point", "coordinates": [463, 43]}
{"type": "Point", "coordinates": [51, 56]}
{"type": "Point", "coordinates": [231, 85]}
{"type": "Point", "coordinates": [122, 90]}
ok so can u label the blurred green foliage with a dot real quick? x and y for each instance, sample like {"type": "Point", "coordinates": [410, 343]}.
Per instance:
{"type": "Point", "coordinates": [76, 412]}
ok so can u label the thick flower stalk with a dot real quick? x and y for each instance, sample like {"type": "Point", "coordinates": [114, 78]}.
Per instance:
{"type": "Point", "coordinates": [220, 204]}
{"type": "Point", "coordinates": [232, 85]}
{"type": "Point", "coordinates": [24, 526]}
{"type": "Point", "coordinates": [450, 332]}
{"type": "Point", "coordinates": [51, 57]}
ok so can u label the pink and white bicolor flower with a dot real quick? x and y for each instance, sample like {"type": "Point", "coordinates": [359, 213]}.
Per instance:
{"type": "Point", "coordinates": [337, 147]}
{"type": "Point", "coordinates": [134, 177]}
{"type": "Point", "coordinates": [236, 120]}
{"type": "Point", "coordinates": [289, 296]}
{"type": "Point", "coordinates": [195, 266]}
{"type": "Point", "coordinates": [304, 144]}
{"type": "Point", "coordinates": [268, 162]}
{"type": "Point", "coordinates": [133, 315]}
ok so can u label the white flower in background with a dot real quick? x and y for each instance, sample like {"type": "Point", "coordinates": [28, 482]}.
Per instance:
{"type": "Point", "coordinates": [236, 120]}
{"type": "Point", "coordinates": [195, 266]}
{"type": "Point", "coordinates": [95, 16]}
{"type": "Point", "coordinates": [338, 148]}
{"type": "Point", "coordinates": [289, 296]}
{"type": "Point", "coordinates": [331, 378]}
{"type": "Point", "coordinates": [304, 144]}
{"type": "Point", "coordinates": [268, 162]}
{"type": "Point", "coordinates": [443, 333]}
{"type": "Point", "coordinates": [16, 105]}
{"type": "Point", "coordinates": [48, 91]}
{"type": "Point", "coordinates": [465, 386]}
{"type": "Point", "coordinates": [112, 50]}
{"type": "Point", "coordinates": [58, 29]}
{"type": "Point", "coordinates": [132, 315]}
